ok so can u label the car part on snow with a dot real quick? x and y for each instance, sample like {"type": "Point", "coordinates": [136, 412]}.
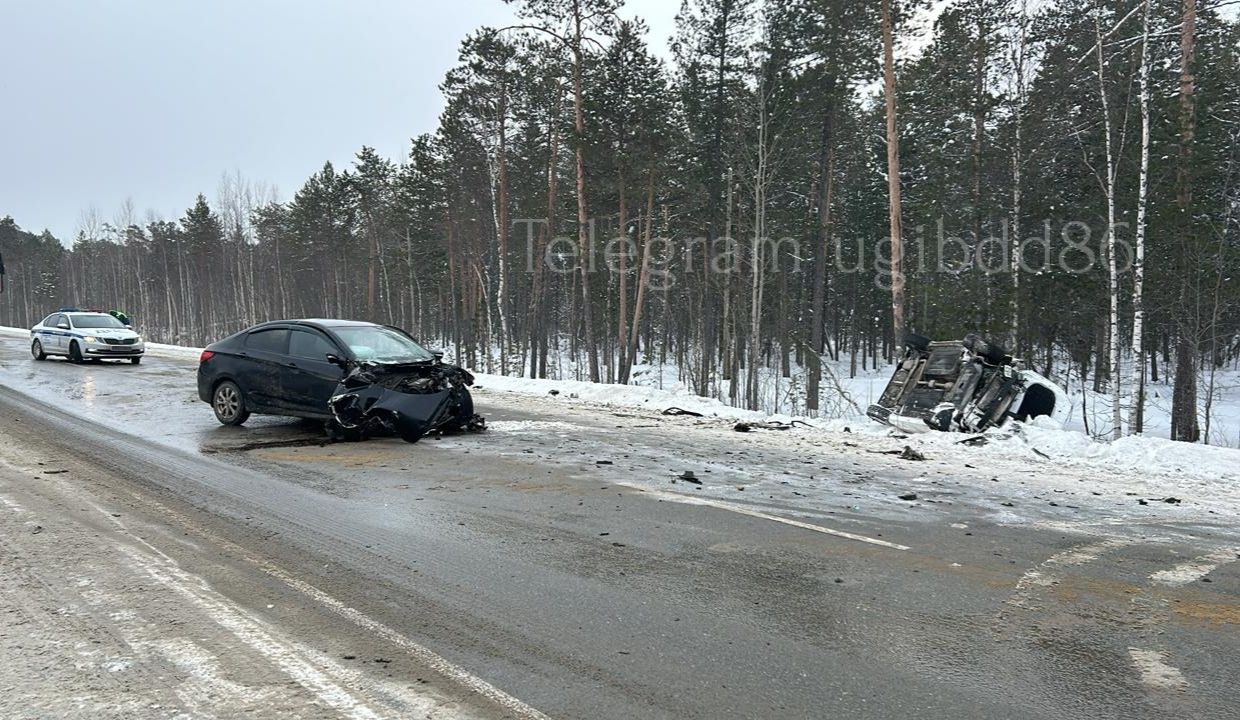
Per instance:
{"type": "Point", "coordinates": [681, 411]}
{"type": "Point", "coordinates": [747, 426]}
{"type": "Point", "coordinates": [769, 425]}
{"type": "Point", "coordinates": [968, 385]}
{"type": "Point", "coordinates": [406, 400]}
{"type": "Point", "coordinates": [908, 453]}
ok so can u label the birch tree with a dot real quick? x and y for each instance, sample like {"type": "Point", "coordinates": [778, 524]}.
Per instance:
{"type": "Point", "coordinates": [1136, 419]}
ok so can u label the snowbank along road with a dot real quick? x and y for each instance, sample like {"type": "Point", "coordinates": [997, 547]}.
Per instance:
{"type": "Point", "coordinates": [158, 565]}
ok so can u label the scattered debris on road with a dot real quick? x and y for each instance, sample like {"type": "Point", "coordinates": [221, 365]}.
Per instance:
{"type": "Point", "coordinates": [908, 453]}
{"type": "Point", "coordinates": [675, 411]}
{"type": "Point", "coordinates": [689, 477]}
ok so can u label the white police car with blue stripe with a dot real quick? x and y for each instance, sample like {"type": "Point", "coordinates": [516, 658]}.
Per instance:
{"type": "Point", "coordinates": [85, 336]}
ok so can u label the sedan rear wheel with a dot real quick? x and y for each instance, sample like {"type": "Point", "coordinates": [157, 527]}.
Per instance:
{"type": "Point", "coordinates": [229, 404]}
{"type": "Point", "coordinates": [36, 349]}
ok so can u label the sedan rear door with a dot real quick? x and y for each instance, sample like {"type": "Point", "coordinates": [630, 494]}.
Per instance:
{"type": "Point", "coordinates": [261, 361]}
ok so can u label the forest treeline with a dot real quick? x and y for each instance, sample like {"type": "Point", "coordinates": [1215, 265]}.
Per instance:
{"type": "Point", "coordinates": [1067, 180]}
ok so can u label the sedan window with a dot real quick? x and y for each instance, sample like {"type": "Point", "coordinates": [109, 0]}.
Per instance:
{"type": "Point", "coordinates": [311, 346]}
{"type": "Point", "coordinates": [272, 341]}
{"type": "Point", "coordinates": [376, 343]}
{"type": "Point", "coordinates": [96, 321]}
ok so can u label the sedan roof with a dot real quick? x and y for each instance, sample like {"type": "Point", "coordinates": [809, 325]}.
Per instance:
{"type": "Point", "coordinates": [327, 322]}
{"type": "Point", "coordinates": [322, 323]}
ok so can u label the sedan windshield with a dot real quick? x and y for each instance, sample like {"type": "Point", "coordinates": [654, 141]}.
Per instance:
{"type": "Point", "coordinates": [381, 344]}
{"type": "Point", "coordinates": [96, 321]}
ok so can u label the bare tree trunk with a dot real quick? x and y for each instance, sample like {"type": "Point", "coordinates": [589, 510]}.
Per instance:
{"type": "Point", "coordinates": [979, 137]}
{"type": "Point", "coordinates": [583, 239]}
{"type": "Point", "coordinates": [537, 321]}
{"type": "Point", "coordinates": [642, 278]}
{"type": "Point", "coordinates": [817, 310]}
{"type": "Point", "coordinates": [893, 179]}
{"type": "Point", "coordinates": [1019, 58]}
{"type": "Point", "coordinates": [1117, 413]}
{"type": "Point", "coordinates": [501, 231]}
{"type": "Point", "coordinates": [1184, 425]}
{"type": "Point", "coordinates": [1136, 418]}
{"type": "Point", "coordinates": [622, 309]}
{"type": "Point", "coordinates": [756, 254]}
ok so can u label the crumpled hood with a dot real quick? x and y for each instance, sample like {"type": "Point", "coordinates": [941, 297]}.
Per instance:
{"type": "Point", "coordinates": [408, 401]}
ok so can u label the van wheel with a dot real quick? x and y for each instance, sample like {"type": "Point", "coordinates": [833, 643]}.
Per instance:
{"type": "Point", "coordinates": [36, 350]}
{"type": "Point", "coordinates": [229, 404]}
{"type": "Point", "coordinates": [75, 352]}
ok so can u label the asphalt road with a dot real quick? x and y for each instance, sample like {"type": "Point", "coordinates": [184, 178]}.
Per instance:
{"type": "Point", "coordinates": [519, 576]}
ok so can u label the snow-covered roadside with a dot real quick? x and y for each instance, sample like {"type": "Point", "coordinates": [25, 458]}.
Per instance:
{"type": "Point", "coordinates": [1032, 445]}
{"type": "Point", "coordinates": [1041, 458]}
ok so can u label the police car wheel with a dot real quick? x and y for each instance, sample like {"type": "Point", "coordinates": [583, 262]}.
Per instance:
{"type": "Point", "coordinates": [36, 349]}
{"type": "Point", "coordinates": [135, 360]}
{"type": "Point", "coordinates": [229, 404]}
{"type": "Point", "coordinates": [75, 352]}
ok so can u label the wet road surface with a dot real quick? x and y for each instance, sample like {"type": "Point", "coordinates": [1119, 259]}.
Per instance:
{"type": "Point", "coordinates": [553, 559]}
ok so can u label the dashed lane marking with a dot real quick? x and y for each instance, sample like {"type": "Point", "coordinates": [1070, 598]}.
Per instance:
{"type": "Point", "coordinates": [1154, 670]}
{"type": "Point", "coordinates": [1043, 574]}
{"type": "Point", "coordinates": [742, 510]}
{"type": "Point", "coordinates": [1194, 570]}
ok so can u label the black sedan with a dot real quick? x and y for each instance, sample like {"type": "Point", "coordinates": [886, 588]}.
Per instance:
{"type": "Point", "coordinates": [360, 377]}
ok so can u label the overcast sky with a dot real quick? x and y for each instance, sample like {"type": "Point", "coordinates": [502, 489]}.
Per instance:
{"type": "Point", "coordinates": [155, 100]}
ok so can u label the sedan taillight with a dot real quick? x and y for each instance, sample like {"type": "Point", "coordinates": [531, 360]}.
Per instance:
{"type": "Point", "coordinates": [205, 356]}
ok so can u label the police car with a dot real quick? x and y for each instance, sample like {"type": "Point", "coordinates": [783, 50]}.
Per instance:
{"type": "Point", "coordinates": [82, 336]}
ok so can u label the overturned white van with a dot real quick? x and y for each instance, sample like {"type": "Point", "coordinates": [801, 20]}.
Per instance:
{"type": "Point", "coordinates": [964, 385]}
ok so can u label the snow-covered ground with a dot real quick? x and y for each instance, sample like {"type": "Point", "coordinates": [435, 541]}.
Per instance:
{"type": "Point", "coordinates": [1146, 466]}
{"type": "Point", "coordinates": [1026, 463]}
{"type": "Point", "coordinates": [845, 398]}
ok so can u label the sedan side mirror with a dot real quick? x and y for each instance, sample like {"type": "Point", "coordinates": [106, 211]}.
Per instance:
{"type": "Point", "coordinates": [335, 360]}
{"type": "Point", "coordinates": [63, 325]}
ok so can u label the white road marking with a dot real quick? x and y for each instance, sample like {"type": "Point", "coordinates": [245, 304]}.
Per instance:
{"type": "Point", "coordinates": [1194, 570]}
{"type": "Point", "coordinates": [420, 653]}
{"type": "Point", "coordinates": [252, 632]}
{"type": "Point", "coordinates": [1155, 672]}
{"type": "Point", "coordinates": [1042, 575]}
{"type": "Point", "coordinates": [1085, 553]}
{"type": "Point", "coordinates": [742, 510]}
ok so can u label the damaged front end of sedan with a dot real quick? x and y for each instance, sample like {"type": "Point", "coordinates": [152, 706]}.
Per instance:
{"type": "Point", "coordinates": [405, 400]}
{"type": "Point", "coordinates": [967, 385]}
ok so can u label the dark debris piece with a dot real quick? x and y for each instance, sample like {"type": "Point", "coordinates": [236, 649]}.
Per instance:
{"type": "Point", "coordinates": [910, 454]}
{"type": "Point", "coordinates": [674, 411]}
